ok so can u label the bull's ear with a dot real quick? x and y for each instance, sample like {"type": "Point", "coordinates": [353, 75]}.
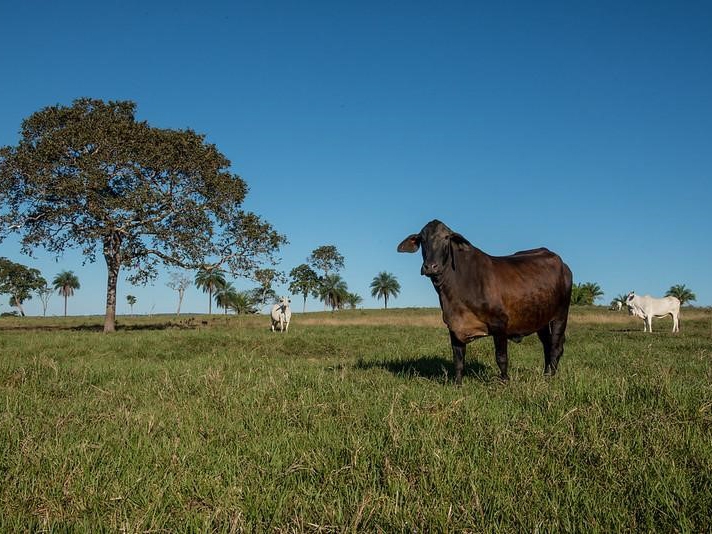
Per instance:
{"type": "Point", "coordinates": [410, 243]}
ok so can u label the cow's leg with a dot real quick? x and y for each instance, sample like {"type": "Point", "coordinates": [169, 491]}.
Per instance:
{"type": "Point", "coordinates": [675, 322]}
{"type": "Point", "coordinates": [545, 338]}
{"type": "Point", "coordinates": [458, 357]}
{"type": "Point", "coordinates": [500, 354]}
{"type": "Point", "coordinates": [649, 321]}
{"type": "Point", "coordinates": [558, 337]}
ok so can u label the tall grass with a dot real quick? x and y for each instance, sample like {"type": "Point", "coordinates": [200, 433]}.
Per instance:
{"type": "Point", "coordinates": [350, 423]}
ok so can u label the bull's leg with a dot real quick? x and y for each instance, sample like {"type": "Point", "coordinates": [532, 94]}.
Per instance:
{"type": "Point", "coordinates": [500, 354]}
{"type": "Point", "coordinates": [545, 338]}
{"type": "Point", "coordinates": [558, 337]}
{"type": "Point", "coordinates": [675, 322]}
{"type": "Point", "coordinates": [458, 357]}
{"type": "Point", "coordinates": [649, 322]}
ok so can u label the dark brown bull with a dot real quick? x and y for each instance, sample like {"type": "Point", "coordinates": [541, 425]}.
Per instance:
{"type": "Point", "coordinates": [506, 297]}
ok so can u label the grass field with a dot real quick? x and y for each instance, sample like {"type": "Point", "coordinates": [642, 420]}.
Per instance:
{"type": "Point", "coordinates": [350, 423]}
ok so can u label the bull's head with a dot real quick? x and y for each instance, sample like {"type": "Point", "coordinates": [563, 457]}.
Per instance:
{"type": "Point", "coordinates": [437, 243]}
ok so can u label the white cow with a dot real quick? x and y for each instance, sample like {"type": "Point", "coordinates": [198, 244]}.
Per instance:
{"type": "Point", "coordinates": [281, 315]}
{"type": "Point", "coordinates": [647, 307]}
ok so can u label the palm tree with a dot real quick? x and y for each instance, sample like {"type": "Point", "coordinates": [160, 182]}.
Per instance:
{"type": "Point", "coordinates": [682, 293]}
{"type": "Point", "coordinates": [243, 303]}
{"type": "Point", "coordinates": [225, 296]}
{"type": "Point", "coordinates": [353, 300]}
{"type": "Point", "coordinates": [593, 290]}
{"type": "Point", "coordinates": [210, 279]}
{"type": "Point", "coordinates": [66, 283]}
{"type": "Point", "coordinates": [333, 291]}
{"type": "Point", "coordinates": [131, 300]}
{"type": "Point", "coordinates": [385, 285]}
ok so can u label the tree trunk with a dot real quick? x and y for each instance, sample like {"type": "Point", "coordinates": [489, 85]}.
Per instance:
{"type": "Point", "coordinates": [304, 307]}
{"type": "Point", "coordinates": [65, 304]}
{"type": "Point", "coordinates": [210, 300]}
{"type": "Point", "coordinates": [112, 255]}
{"type": "Point", "coordinates": [180, 300]}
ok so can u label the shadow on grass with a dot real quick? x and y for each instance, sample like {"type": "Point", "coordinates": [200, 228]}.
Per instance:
{"type": "Point", "coordinates": [434, 368]}
{"type": "Point", "coordinates": [99, 327]}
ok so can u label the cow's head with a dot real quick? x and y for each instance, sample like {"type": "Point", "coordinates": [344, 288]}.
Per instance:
{"type": "Point", "coordinates": [629, 302]}
{"type": "Point", "coordinates": [437, 244]}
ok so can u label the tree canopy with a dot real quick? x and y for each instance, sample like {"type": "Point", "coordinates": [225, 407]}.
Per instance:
{"type": "Point", "coordinates": [90, 176]}
{"type": "Point", "coordinates": [19, 282]}
{"type": "Point", "coordinates": [585, 293]}
{"type": "Point", "coordinates": [304, 281]}
{"type": "Point", "coordinates": [333, 291]}
{"type": "Point", "coordinates": [682, 293]}
{"type": "Point", "coordinates": [326, 258]}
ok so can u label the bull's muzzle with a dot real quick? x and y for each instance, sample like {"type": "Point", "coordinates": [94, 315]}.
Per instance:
{"type": "Point", "coordinates": [430, 269]}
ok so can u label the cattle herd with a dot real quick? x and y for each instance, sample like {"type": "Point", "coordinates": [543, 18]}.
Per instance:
{"type": "Point", "coordinates": [507, 297]}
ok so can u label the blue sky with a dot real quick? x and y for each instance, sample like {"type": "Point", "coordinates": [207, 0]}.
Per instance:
{"type": "Point", "coordinates": [585, 127]}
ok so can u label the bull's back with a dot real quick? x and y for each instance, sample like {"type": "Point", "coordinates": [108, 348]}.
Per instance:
{"type": "Point", "coordinates": [534, 287]}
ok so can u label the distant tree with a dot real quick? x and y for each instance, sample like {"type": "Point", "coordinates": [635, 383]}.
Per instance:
{"type": "Point", "coordinates": [326, 258]}
{"type": "Point", "coordinates": [594, 291]}
{"type": "Point", "coordinates": [353, 300]}
{"type": "Point", "coordinates": [586, 293]}
{"type": "Point", "coordinates": [682, 293]}
{"type": "Point", "coordinates": [385, 285]}
{"type": "Point", "coordinates": [333, 291]}
{"type": "Point", "coordinates": [243, 303]}
{"type": "Point", "coordinates": [131, 300]}
{"type": "Point", "coordinates": [44, 293]}
{"type": "Point", "coordinates": [179, 282]}
{"type": "Point", "coordinates": [260, 296]}
{"type": "Point", "coordinates": [90, 176]}
{"type": "Point", "coordinates": [225, 296]}
{"type": "Point", "coordinates": [265, 278]}
{"type": "Point", "coordinates": [209, 280]}
{"type": "Point", "coordinates": [304, 282]}
{"type": "Point", "coordinates": [66, 283]}
{"type": "Point", "coordinates": [19, 282]}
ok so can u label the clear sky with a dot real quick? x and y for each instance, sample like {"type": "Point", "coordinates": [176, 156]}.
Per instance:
{"type": "Point", "coordinates": [585, 127]}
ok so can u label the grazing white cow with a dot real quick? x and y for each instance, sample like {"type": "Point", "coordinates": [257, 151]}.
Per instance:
{"type": "Point", "coordinates": [281, 315]}
{"type": "Point", "coordinates": [647, 307]}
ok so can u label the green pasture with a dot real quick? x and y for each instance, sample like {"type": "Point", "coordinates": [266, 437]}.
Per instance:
{"type": "Point", "coordinates": [350, 423]}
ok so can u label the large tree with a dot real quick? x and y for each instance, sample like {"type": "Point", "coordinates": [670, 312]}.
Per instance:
{"type": "Point", "coordinates": [19, 282]}
{"type": "Point", "coordinates": [304, 281]}
{"type": "Point", "coordinates": [93, 177]}
{"type": "Point", "coordinates": [66, 283]}
{"type": "Point", "coordinates": [385, 285]}
{"type": "Point", "coordinates": [682, 293]}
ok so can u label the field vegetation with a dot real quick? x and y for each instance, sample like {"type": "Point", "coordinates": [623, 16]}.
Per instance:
{"type": "Point", "coordinates": [350, 422]}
